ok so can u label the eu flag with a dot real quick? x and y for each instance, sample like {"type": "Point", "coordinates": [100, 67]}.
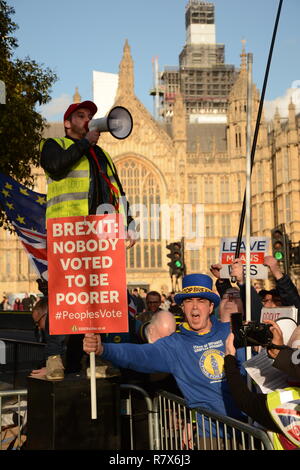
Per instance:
{"type": "Point", "coordinates": [26, 210]}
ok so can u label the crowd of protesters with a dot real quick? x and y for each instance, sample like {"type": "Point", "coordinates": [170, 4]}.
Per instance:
{"type": "Point", "coordinates": [203, 358]}
{"type": "Point", "coordinates": [23, 302]}
{"type": "Point", "coordinates": [184, 340]}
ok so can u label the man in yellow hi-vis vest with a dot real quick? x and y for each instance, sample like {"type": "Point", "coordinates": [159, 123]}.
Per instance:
{"type": "Point", "coordinates": [82, 180]}
{"type": "Point", "coordinates": [81, 176]}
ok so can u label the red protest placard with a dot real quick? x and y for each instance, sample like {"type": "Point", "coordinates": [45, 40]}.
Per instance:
{"type": "Point", "coordinates": [87, 275]}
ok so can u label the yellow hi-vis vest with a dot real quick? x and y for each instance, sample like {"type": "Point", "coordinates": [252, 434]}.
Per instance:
{"type": "Point", "coordinates": [69, 196]}
{"type": "Point", "coordinates": [284, 407]}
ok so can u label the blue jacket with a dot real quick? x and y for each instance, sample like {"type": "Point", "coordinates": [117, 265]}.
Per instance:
{"type": "Point", "coordinates": [196, 362]}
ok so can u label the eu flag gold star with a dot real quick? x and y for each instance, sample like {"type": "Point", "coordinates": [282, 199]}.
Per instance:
{"type": "Point", "coordinates": [24, 191]}
{"type": "Point", "coordinates": [8, 186]}
{"type": "Point", "coordinates": [41, 200]}
{"type": "Point", "coordinates": [10, 205]}
{"type": "Point", "coordinates": [6, 193]}
{"type": "Point", "coordinates": [21, 219]}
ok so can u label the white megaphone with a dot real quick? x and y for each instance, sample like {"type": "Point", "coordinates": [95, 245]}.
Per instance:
{"type": "Point", "coordinates": [118, 122]}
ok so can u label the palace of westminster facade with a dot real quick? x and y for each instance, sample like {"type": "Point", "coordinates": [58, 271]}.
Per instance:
{"type": "Point", "coordinates": [169, 166]}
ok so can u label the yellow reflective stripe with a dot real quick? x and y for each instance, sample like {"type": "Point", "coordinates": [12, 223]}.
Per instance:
{"type": "Point", "coordinates": [68, 185]}
{"type": "Point", "coordinates": [66, 197]}
{"type": "Point", "coordinates": [68, 209]}
{"type": "Point", "coordinates": [71, 174]}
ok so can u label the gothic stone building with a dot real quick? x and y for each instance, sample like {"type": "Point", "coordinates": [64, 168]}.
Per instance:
{"type": "Point", "coordinates": [170, 170]}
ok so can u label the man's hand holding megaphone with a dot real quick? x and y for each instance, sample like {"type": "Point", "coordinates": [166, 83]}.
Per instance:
{"type": "Point", "coordinates": [92, 136]}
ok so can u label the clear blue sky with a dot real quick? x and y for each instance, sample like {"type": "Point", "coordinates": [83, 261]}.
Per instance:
{"type": "Point", "coordinates": [75, 37]}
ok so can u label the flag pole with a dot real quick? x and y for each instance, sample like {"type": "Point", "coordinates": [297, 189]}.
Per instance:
{"type": "Point", "coordinates": [248, 187]}
{"type": "Point", "coordinates": [256, 131]}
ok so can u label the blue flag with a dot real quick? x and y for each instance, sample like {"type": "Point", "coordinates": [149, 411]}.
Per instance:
{"type": "Point", "coordinates": [26, 210]}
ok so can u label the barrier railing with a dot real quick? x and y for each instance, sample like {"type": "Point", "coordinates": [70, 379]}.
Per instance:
{"type": "Point", "coordinates": [13, 412]}
{"type": "Point", "coordinates": [181, 428]}
{"type": "Point", "coordinates": [20, 353]}
{"type": "Point", "coordinates": [168, 425]}
{"type": "Point", "coordinates": [128, 409]}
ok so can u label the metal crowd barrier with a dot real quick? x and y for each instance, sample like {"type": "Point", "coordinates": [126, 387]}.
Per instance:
{"type": "Point", "coordinates": [167, 423]}
{"type": "Point", "coordinates": [13, 417]}
{"type": "Point", "coordinates": [20, 356]}
{"type": "Point", "coordinates": [128, 409]}
{"type": "Point", "coordinates": [181, 428]}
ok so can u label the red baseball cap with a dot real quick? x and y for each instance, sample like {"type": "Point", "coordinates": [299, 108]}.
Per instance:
{"type": "Point", "coordinates": [85, 104]}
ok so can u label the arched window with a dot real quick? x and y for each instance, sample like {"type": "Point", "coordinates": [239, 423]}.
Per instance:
{"type": "Point", "coordinates": [142, 189]}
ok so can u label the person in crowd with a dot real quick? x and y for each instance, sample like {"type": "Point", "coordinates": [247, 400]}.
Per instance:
{"type": "Point", "coordinates": [270, 298]}
{"type": "Point", "coordinates": [165, 303]}
{"type": "Point", "coordinates": [28, 302]}
{"type": "Point", "coordinates": [138, 301]}
{"type": "Point", "coordinates": [286, 289]}
{"type": "Point", "coordinates": [53, 368]}
{"type": "Point", "coordinates": [143, 293]}
{"type": "Point", "coordinates": [153, 301]}
{"type": "Point", "coordinates": [194, 357]}
{"type": "Point", "coordinates": [176, 310]}
{"type": "Point", "coordinates": [99, 184]}
{"type": "Point", "coordinates": [39, 317]}
{"type": "Point", "coordinates": [98, 190]}
{"type": "Point", "coordinates": [277, 411]}
{"type": "Point", "coordinates": [162, 324]}
{"type": "Point", "coordinates": [5, 305]}
{"type": "Point", "coordinates": [230, 302]}
{"type": "Point", "coordinates": [237, 271]}
{"type": "Point", "coordinates": [18, 305]}
{"type": "Point", "coordinates": [221, 284]}
{"type": "Point", "coordinates": [285, 293]}
{"type": "Point", "coordinates": [64, 354]}
{"type": "Point", "coordinates": [286, 357]}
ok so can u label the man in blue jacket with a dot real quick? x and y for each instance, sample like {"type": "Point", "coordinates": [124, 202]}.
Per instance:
{"type": "Point", "coordinates": [195, 355]}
